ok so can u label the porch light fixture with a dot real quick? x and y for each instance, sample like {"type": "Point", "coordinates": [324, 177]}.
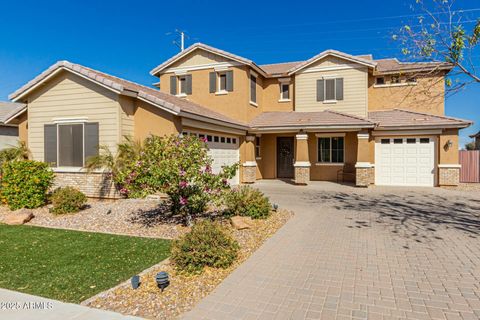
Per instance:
{"type": "Point", "coordinates": [135, 281]}
{"type": "Point", "coordinates": [162, 280]}
{"type": "Point", "coordinates": [448, 145]}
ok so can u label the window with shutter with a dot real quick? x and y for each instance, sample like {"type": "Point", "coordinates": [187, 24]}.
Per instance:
{"type": "Point", "coordinates": [50, 144]}
{"type": "Point", "coordinates": [320, 90]}
{"type": "Point", "coordinates": [253, 89]}
{"type": "Point", "coordinates": [70, 145]}
{"type": "Point", "coordinates": [91, 138]}
{"type": "Point", "coordinates": [330, 90]}
{"type": "Point", "coordinates": [173, 85]}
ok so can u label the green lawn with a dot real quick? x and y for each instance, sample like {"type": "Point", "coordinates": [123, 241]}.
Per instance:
{"type": "Point", "coordinates": [72, 265]}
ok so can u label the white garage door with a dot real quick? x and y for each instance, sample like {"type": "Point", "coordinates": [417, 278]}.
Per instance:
{"type": "Point", "coordinates": [405, 161]}
{"type": "Point", "coordinates": [224, 150]}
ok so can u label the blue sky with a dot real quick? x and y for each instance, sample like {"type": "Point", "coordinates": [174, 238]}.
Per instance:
{"type": "Point", "coordinates": [129, 38]}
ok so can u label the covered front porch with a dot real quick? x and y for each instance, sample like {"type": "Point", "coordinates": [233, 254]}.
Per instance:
{"type": "Point", "coordinates": [303, 156]}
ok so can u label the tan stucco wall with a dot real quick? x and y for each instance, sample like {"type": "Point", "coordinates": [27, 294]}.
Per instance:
{"type": "Point", "coordinates": [271, 96]}
{"type": "Point", "coordinates": [23, 127]}
{"type": "Point", "coordinates": [355, 79]}
{"type": "Point", "coordinates": [329, 172]}
{"type": "Point", "coordinates": [150, 120]}
{"type": "Point", "coordinates": [70, 96]}
{"type": "Point", "coordinates": [448, 155]}
{"type": "Point", "coordinates": [234, 104]}
{"type": "Point", "coordinates": [428, 95]}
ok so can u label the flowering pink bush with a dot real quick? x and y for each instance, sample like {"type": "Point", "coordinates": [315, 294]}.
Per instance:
{"type": "Point", "coordinates": [178, 166]}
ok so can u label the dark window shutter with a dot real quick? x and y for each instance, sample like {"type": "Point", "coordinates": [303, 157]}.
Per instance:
{"type": "Point", "coordinates": [50, 144]}
{"type": "Point", "coordinates": [213, 82]}
{"type": "Point", "coordinates": [253, 89]}
{"type": "Point", "coordinates": [320, 90]}
{"type": "Point", "coordinates": [230, 80]}
{"type": "Point", "coordinates": [91, 136]}
{"type": "Point", "coordinates": [188, 79]}
{"type": "Point", "coordinates": [173, 85]}
{"type": "Point", "coordinates": [339, 89]}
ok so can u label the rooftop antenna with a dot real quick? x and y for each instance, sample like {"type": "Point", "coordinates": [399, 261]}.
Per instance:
{"type": "Point", "coordinates": [180, 41]}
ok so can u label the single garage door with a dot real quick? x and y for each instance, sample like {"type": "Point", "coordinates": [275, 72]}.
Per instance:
{"type": "Point", "coordinates": [405, 161]}
{"type": "Point", "coordinates": [224, 150]}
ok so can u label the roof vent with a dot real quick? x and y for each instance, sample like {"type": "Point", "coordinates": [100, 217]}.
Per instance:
{"type": "Point", "coordinates": [420, 119]}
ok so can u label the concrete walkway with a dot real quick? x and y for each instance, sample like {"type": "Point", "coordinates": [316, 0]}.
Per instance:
{"type": "Point", "coordinates": [20, 306]}
{"type": "Point", "coordinates": [349, 253]}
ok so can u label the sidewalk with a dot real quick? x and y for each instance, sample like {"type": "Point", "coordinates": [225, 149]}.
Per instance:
{"type": "Point", "coordinates": [20, 306]}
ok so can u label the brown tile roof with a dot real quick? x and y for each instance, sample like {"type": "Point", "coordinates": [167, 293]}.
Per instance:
{"type": "Point", "coordinates": [476, 135]}
{"type": "Point", "coordinates": [8, 109]}
{"type": "Point", "coordinates": [293, 119]}
{"type": "Point", "coordinates": [275, 69]}
{"type": "Point", "coordinates": [166, 101]}
{"type": "Point", "coordinates": [405, 119]}
{"type": "Point", "coordinates": [395, 66]}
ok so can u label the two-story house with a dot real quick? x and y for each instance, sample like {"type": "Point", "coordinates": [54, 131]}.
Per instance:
{"type": "Point", "coordinates": [333, 116]}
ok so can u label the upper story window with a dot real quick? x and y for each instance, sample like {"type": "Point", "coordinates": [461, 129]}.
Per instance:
{"type": "Point", "coordinates": [253, 89]}
{"type": "Point", "coordinates": [395, 79]}
{"type": "Point", "coordinates": [221, 82]}
{"type": "Point", "coordinates": [181, 85]}
{"type": "Point", "coordinates": [330, 90]}
{"type": "Point", "coordinates": [380, 80]}
{"type": "Point", "coordinates": [284, 89]}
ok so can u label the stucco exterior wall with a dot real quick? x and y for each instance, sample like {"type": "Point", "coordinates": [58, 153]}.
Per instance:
{"type": "Point", "coordinates": [234, 104]}
{"type": "Point", "coordinates": [271, 96]}
{"type": "Point", "coordinates": [448, 155]}
{"type": "Point", "coordinates": [150, 120]}
{"type": "Point", "coordinates": [70, 96]}
{"type": "Point", "coordinates": [23, 127]}
{"type": "Point", "coordinates": [355, 80]}
{"type": "Point", "coordinates": [428, 95]}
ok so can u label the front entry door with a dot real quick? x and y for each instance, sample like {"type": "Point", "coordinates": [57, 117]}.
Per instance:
{"type": "Point", "coordinates": [285, 157]}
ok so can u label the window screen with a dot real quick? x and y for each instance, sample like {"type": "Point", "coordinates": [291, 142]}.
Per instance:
{"type": "Point", "coordinates": [285, 94]}
{"type": "Point", "coordinates": [330, 89]}
{"type": "Point", "coordinates": [70, 145]}
{"type": "Point", "coordinates": [253, 88]}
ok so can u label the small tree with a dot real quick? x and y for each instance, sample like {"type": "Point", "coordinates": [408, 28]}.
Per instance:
{"type": "Point", "coordinates": [442, 33]}
{"type": "Point", "coordinates": [470, 146]}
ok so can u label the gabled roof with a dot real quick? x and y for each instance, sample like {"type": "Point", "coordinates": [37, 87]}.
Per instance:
{"type": "Point", "coordinates": [295, 119]}
{"type": "Point", "coordinates": [207, 48]}
{"type": "Point", "coordinates": [10, 110]}
{"type": "Point", "coordinates": [476, 135]}
{"type": "Point", "coordinates": [406, 119]}
{"type": "Point", "coordinates": [167, 102]}
{"type": "Point", "coordinates": [335, 53]}
{"type": "Point", "coordinates": [276, 69]}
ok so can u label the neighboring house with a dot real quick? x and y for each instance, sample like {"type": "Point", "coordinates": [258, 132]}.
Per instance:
{"type": "Point", "coordinates": [381, 119]}
{"type": "Point", "coordinates": [476, 138]}
{"type": "Point", "coordinates": [9, 132]}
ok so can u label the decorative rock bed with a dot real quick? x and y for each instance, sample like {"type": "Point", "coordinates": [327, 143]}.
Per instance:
{"type": "Point", "coordinates": [184, 291]}
{"type": "Point", "coordinates": [136, 217]}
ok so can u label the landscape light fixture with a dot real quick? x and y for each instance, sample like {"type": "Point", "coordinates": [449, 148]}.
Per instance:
{"type": "Point", "coordinates": [162, 280]}
{"type": "Point", "coordinates": [135, 281]}
{"type": "Point", "coordinates": [275, 207]}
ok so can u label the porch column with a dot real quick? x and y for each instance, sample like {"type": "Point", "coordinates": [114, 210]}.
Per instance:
{"type": "Point", "coordinates": [448, 160]}
{"type": "Point", "coordinates": [250, 165]}
{"type": "Point", "coordinates": [302, 161]}
{"type": "Point", "coordinates": [364, 168]}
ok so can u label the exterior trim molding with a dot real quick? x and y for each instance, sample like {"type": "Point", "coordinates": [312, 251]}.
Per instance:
{"type": "Point", "coordinates": [302, 164]}
{"type": "Point", "coordinates": [364, 165]}
{"type": "Point", "coordinates": [250, 138]}
{"type": "Point", "coordinates": [405, 132]}
{"type": "Point", "coordinates": [333, 134]}
{"type": "Point", "coordinates": [218, 66]}
{"type": "Point", "coordinates": [449, 165]}
{"type": "Point", "coordinates": [249, 164]}
{"type": "Point", "coordinates": [363, 135]}
{"type": "Point", "coordinates": [302, 136]}
{"type": "Point", "coordinates": [205, 125]}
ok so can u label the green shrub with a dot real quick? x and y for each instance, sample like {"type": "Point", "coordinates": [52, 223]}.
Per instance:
{"type": "Point", "coordinates": [67, 199]}
{"type": "Point", "coordinates": [247, 201]}
{"type": "Point", "coordinates": [207, 244]}
{"type": "Point", "coordinates": [178, 166]}
{"type": "Point", "coordinates": [25, 184]}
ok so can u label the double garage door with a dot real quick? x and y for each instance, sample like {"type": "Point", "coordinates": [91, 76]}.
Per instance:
{"type": "Point", "coordinates": [224, 150]}
{"type": "Point", "coordinates": [405, 161]}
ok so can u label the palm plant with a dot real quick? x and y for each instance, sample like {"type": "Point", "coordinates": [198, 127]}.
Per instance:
{"type": "Point", "coordinates": [126, 151]}
{"type": "Point", "coordinates": [15, 153]}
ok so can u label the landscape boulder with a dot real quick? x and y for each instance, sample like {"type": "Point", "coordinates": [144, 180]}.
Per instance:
{"type": "Point", "coordinates": [20, 216]}
{"type": "Point", "coordinates": [240, 223]}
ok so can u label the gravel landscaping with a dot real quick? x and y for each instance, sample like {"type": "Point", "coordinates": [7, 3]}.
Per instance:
{"type": "Point", "coordinates": [136, 217]}
{"type": "Point", "coordinates": [184, 291]}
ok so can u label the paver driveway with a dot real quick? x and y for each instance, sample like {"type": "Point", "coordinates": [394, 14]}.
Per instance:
{"type": "Point", "coordinates": [356, 253]}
